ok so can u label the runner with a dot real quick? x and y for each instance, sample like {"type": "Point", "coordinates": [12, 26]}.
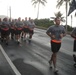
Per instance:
{"type": "Point", "coordinates": [25, 28]}
{"type": "Point", "coordinates": [56, 33]}
{"type": "Point", "coordinates": [0, 27]}
{"type": "Point", "coordinates": [73, 34]}
{"type": "Point", "coordinates": [22, 33]}
{"type": "Point", "coordinates": [5, 31]}
{"type": "Point", "coordinates": [12, 29]}
{"type": "Point", "coordinates": [19, 27]}
{"type": "Point", "coordinates": [31, 26]}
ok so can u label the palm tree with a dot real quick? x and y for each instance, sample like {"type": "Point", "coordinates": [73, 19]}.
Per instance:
{"type": "Point", "coordinates": [59, 3]}
{"type": "Point", "coordinates": [35, 2]}
{"type": "Point", "coordinates": [59, 15]}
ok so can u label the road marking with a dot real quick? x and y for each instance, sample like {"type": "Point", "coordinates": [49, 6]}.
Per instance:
{"type": "Point", "coordinates": [10, 62]}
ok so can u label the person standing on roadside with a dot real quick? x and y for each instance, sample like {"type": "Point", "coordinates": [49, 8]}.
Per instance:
{"type": "Point", "coordinates": [56, 33]}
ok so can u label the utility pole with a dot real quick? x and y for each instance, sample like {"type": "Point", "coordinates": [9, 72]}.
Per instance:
{"type": "Point", "coordinates": [10, 12]}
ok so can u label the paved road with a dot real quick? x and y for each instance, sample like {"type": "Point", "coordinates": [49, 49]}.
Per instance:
{"type": "Point", "coordinates": [5, 69]}
{"type": "Point", "coordinates": [32, 59]}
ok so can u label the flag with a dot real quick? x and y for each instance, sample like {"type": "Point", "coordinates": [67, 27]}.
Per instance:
{"type": "Point", "coordinates": [72, 7]}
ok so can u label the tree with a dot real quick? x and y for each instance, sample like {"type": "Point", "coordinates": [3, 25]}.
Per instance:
{"type": "Point", "coordinates": [43, 23]}
{"type": "Point", "coordinates": [35, 2]}
{"type": "Point", "coordinates": [59, 15]}
{"type": "Point", "coordinates": [59, 3]}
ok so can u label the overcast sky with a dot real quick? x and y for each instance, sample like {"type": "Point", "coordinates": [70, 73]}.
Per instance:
{"type": "Point", "coordinates": [24, 8]}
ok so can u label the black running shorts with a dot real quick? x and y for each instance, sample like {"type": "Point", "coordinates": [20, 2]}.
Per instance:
{"type": "Point", "coordinates": [31, 31]}
{"type": "Point", "coordinates": [74, 46]}
{"type": "Point", "coordinates": [18, 32]}
{"type": "Point", "coordinates": [55, 47]}
{"type": "Point", "coordinates": [26, 30]}
{"type": "Point", "coordinates": [5, 33]}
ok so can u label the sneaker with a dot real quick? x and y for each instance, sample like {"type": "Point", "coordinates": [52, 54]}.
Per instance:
{"type": "Point", "coordinates": [7, 43]}
{"type": "Point", "coordinates": [22, 37]}
{"type": "Point", "coordinates": [55, 70]}
{"type": "Point", "coordinates": [29, 40]}
{"type": "Point", "coordinates": [1, 40]}
{"type": "Point", "coordinates": [74, 57]}
{"type": "Point", "coordinates": [50, 63]}
{"type": "Point", "coordinates": [12, 38]}
{"type": "Point", "coordinates": [75, 64]}
{"type": "Point", "coordinates": [18, 42]}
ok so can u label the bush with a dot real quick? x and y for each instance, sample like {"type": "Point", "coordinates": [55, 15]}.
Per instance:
{"type": "Point", "coordinates": [43, 22]}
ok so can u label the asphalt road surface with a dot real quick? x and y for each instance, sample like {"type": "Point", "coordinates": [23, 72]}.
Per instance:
{"type": "Point", "coordinates": [32, 59]}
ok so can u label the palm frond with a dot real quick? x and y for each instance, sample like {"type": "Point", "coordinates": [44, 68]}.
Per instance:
{"type": "Point", "coordinates": [42, 3]}
{"type": "Point", "coordinates": [45, 1]}
{"type": "Point", "coordinates": [62, 19]}
{"type": "Point", "coordinates": [60, 2]}
{"type": "Point", "coordinates": [58, 14]}
{"type": "Point", "coordinates": [34, 3]}
{"type": "Point", "coordinates": [52, 17]}
{"type": "Point", "coordinates": [33, 0]}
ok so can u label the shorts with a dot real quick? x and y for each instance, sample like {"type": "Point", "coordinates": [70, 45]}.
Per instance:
{"type": "Point", "coordinates": [18, 32]}
{"type": "Point", "coordinates": [74, 46]}
{"type": "Point", "coordinates": [26, 30]}
{"type": "Point", "coordinates": [55, 47]}
{"type": "Point", "coordinates": [31, 31]}
{"type": "Point", "coordinates": [5, 33]}
{"type": "Point", "coordinates": [12, 31]}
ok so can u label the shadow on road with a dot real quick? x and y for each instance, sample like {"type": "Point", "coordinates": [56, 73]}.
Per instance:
{"type": "Point", "coordinates": [26, 69]}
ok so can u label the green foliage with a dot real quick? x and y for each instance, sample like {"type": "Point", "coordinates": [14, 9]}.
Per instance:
{"type": "Point", "coordinates": [58, 15]}
{"type": "Point", "coordinates": [43, 22]}
{"type": "Point", "coordinates": [60, 3]}
{"type": "Point", "coordinates": [69, 28]}
{"type": "Point", "coordinates": [35, 2]}
{"type": "Point", "coordinates": [38, 2]}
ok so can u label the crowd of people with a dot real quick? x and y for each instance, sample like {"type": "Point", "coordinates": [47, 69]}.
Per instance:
{"type": "Point", "coordinates": [17, 28]}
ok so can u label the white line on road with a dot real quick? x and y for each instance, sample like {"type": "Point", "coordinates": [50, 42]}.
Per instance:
{"type": "Point", "coordinates": [10, 62]}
